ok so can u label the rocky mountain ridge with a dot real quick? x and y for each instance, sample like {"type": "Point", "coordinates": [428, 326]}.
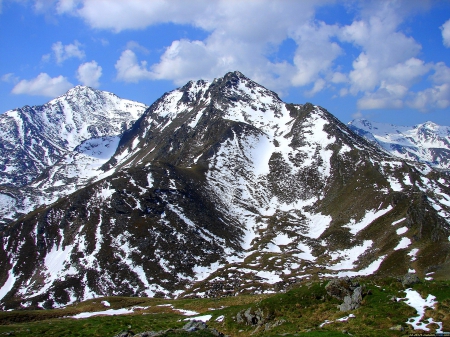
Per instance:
{"type": "Point", "coordinates": [221, 188]}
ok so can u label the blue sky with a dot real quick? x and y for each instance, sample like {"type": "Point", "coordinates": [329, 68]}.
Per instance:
{"type": "Point", "coordinates": [388, 61]}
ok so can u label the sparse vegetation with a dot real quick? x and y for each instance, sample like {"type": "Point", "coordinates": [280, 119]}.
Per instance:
{"type": "Point", "coordinates": [300, 311]}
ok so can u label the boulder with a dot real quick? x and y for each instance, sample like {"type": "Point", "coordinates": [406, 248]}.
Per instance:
{"type": "Point", "coordinates": [194, 326]}
{"type": "Point", "coordinates": [340, 288]}
{"type": "Point", "coordinates": [409, 280]}
{"type": "Point", "coordinates": [348, 291]}
{"type": "Point", "coordinates": [252, 317]}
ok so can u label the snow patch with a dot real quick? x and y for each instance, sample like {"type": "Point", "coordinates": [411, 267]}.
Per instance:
{"type": "Point", "coordinates": [109, 312]}
{"type": "Point", "coordinates": [413, 254]}
{"type": "Point", "coordinates": [413, 299]}
{"type": "Point", "coordinates": [404, 243]}
{"type": "Point", "coordinates": [401, 230]}
{"type": "Point", "coordinates": [204, 318]}
{"type": "Point", "coordinates": [398, 221]}
{"type": "Point", "coordinates": [349, 256]}
{"type": "Point", "coordinates": [370, 216]}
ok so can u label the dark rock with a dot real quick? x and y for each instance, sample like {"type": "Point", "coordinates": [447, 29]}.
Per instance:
{"type": "Point", "coordinates": [125, 333]}
{"type": "Point", "coordinates": [252, 317]}
{"type": "Point", "coordinates": [348, 291]}
{"type": "Point", "coordinates": [409, 280]}
{"type": "Point", "coordinates": [340, 288]}
{"type": "Point", "coordinates": [194, 326]}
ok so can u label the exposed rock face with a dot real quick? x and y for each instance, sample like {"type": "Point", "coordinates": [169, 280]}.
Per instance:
{"type": "Point", "coordinates": [221, 189]}
{"type": "Point", "coordinates": [350, 292]}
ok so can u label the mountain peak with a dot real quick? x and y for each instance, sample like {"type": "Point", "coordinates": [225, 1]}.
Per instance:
{"type": "Point", "coordinates": [80, 91]}
{"type": "Point", "coordinates": [429, 125]}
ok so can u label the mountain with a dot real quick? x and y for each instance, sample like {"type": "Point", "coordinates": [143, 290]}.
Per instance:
{"type": "Point", "coordinates": [428, 142]}
{"type": "Point", "coordinates": [220, 188]}
{"type": "Point", "coordinates": [50, 150]}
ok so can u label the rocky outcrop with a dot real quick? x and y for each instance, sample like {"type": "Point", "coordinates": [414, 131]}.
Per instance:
{"type": "Point", "coordinates": [348, 291]}
{"type": "Point", "coordinates": [409, 280]}
{"type": "Point", "coordinates": [262, 320]}
{"type": "Point", "coordinates": [252, 317]}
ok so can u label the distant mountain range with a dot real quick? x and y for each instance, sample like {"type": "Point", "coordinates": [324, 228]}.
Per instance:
{"type": "Point", "coordinates": [427, 143]}
{"type": "Point", "coordinates": [218, 188]}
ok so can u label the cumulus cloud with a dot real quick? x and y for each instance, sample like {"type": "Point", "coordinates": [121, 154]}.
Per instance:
{"type": "Point", "coordinates": [43, 85]}
{"type": "Point", "coordinates": [388, 96]}
{"type": "Point", "coordinates": [234, 42]}
{"type": "Point", "coordinates": [130, 70]}
{"type": "Point", "coordinates": [382, 74]}
{"type": "Point", "coordinates": [89, 74]}
{"type": "Point", "coordinates": [315, 52]}
{"type": "Point", "coordinates": [437, 96]}
{"type": "Point", "coordinates": [388, 64]}
{"type": "Point", "coordinates": [445, 28]}
{"type": "Point", "coordinates": [64, 52]}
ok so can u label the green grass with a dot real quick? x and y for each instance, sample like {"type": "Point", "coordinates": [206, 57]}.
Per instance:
{"type": "Point", "coordinates": [301, 310]}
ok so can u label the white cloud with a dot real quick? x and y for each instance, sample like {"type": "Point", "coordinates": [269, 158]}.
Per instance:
{"type": "Point", "coordinates": [64, 6]}
{"type": "Point", "coordinates": [408, 72]}
{"type": "Point", "coordinates": [242, 34]}
{"type": "Point", "coordinates": [129, 70]}
{"type": "Point", "coordinates": [120, 15]}
{"type": "Point", "coordinates": [9, 78]}
{"type": "Point", "coordinates": [135, 46]}
{"type": "Point", "coordinates": [43, 85]}
{"type": "Point", "coordinates": [441, 73]}
{"type": "Point", "coordinates": [339, 77]}
{"type": "Point", "coordinates": [384, 49]}
{"type": "Point", "coordinates": [445, 28]}
{"type": "Point", "coordinates": [315, 52]}
{"type": "Point", "coordinates": [318, 86]}
{"type": "Point", "coordinates": [89, 74]}
{"type": "Point", "coordinates": [388, 65]}
{"type": "Point", "coordinates": [388, 96]}
{"type": "Point", "coordinates": [64, 52]}
{"type": "Point", "coordinates": [437, 97]}
{"type": "Point", "coordinates": [357, 115]}
{"type": "Point", "coordinates": [234, 42]}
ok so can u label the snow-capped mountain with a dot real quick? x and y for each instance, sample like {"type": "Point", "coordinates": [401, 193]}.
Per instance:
{"type": "Point", "coordinates": [58, 145]}
{"type": "Point", "coordinates": [221, 188]}
{"type": "Point", "coordinates": [428, 142]}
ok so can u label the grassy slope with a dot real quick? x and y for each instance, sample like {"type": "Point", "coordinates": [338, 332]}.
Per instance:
{"type": "Point", "coordinates": [301, 309]}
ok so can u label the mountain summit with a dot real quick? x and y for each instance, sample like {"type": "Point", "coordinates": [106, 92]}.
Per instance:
{"type": "Point", "coordinates": [220, 188]}
{"type": "Point", "coordinates": [34, 140]}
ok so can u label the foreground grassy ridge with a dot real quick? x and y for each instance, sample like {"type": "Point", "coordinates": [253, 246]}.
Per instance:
{"type": "Point", "coordinates": [299, 312]}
